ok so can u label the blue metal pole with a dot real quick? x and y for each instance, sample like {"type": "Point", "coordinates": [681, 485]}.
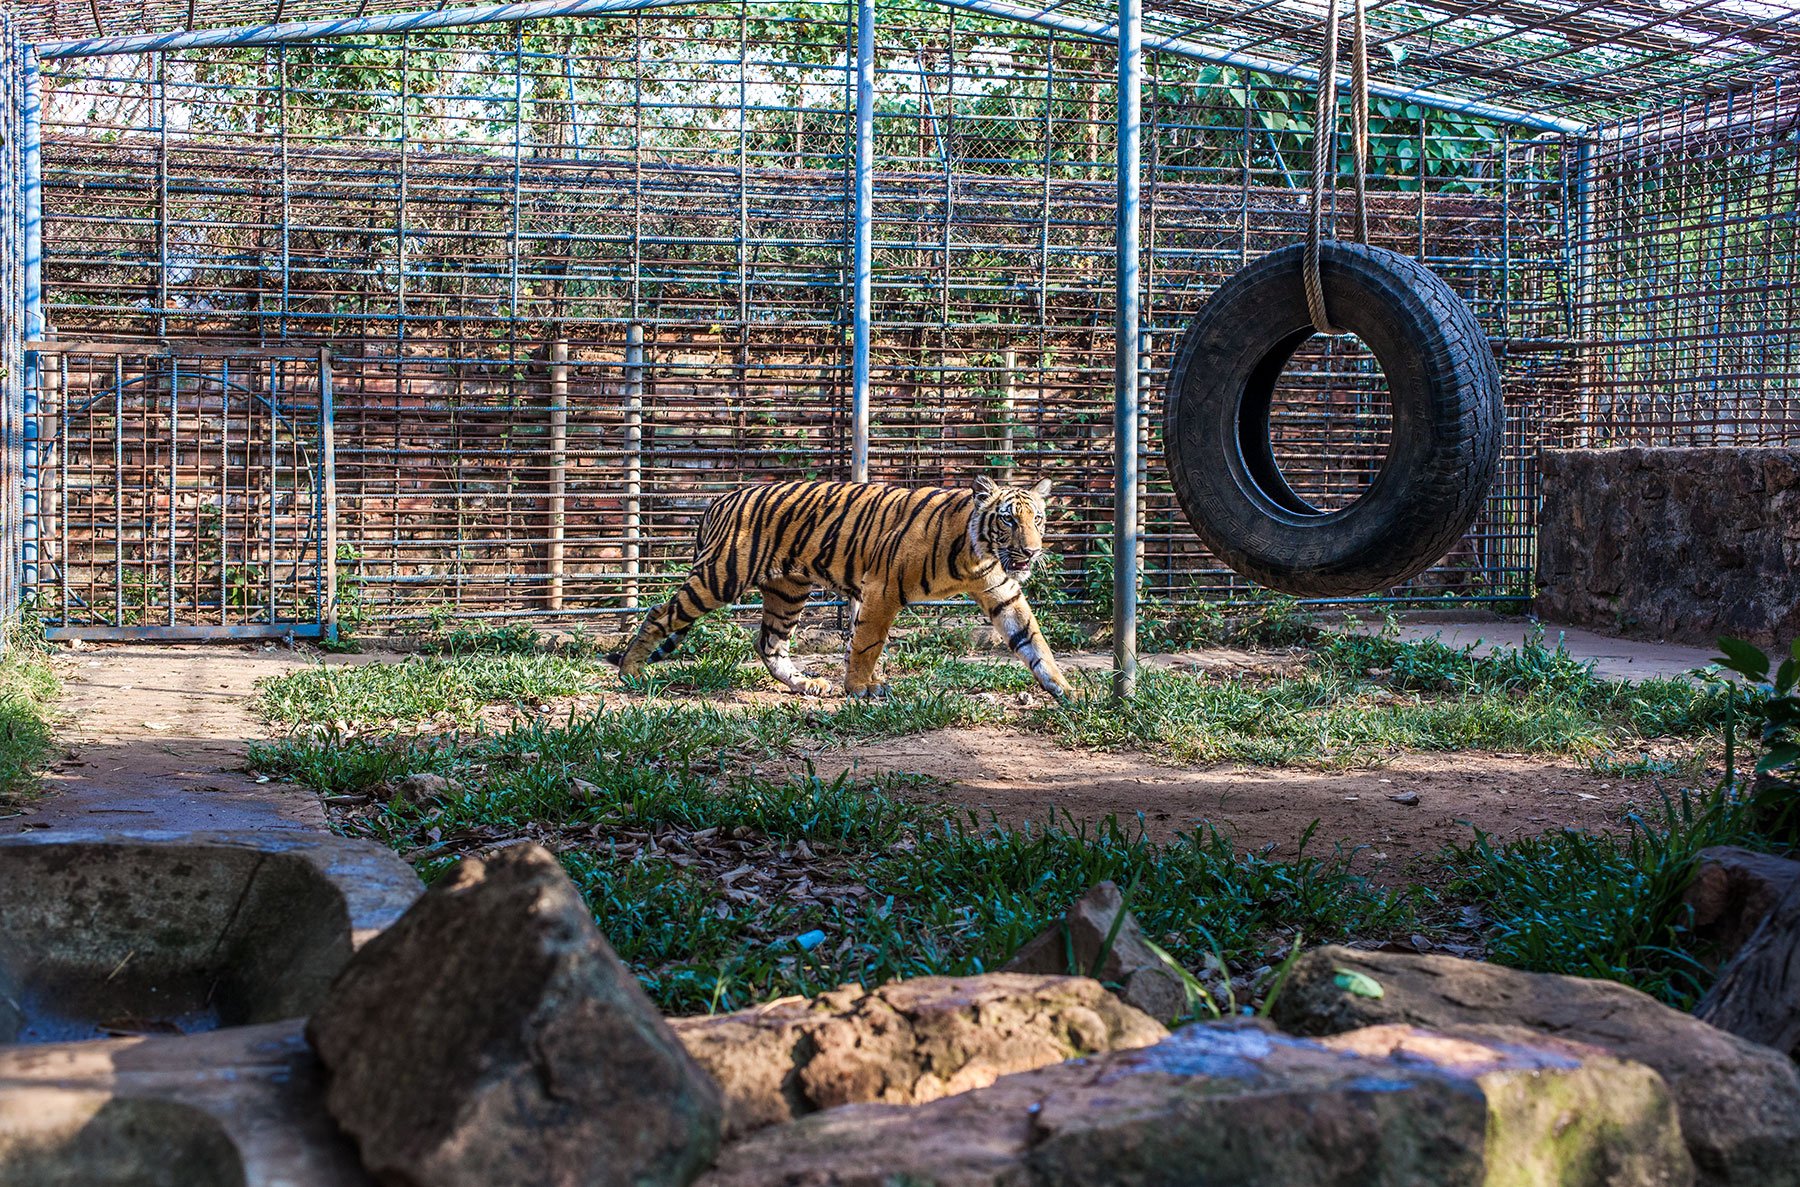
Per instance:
{"type": "Point", "coordinates": [1583, 280]}
{"type": "Point", "coordinates": [31, 194]}
{"type": "Point", "coordinates": [1125, 361]}
{"type": "Point", "coordinates": [862, 241]}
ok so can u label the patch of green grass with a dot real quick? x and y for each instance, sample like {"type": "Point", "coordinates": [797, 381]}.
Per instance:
{"type": "Point", "coordinates": [1359, 700]}
{"type": "Point", "coordinates": [1644, 766]}
{"type": "Point", "coordinates": [933, 893]}
{"type": "Point", "coordinates": [422, 687]}
{"type": "Point", "coordinates": [1417, 699]}
{"type": "Point", "coordinates": [653, 803]}
{"type": "Point", "coordinates": [1607, 907]}
{"type": "Point", "coordinates": [28, 691]}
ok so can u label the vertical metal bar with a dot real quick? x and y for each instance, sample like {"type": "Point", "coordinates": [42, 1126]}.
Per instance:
{"type": "Point", "coordinates": [296, 576]}
{"type": "Point", "coordinates": [634, 460]}
{"type": "Point", "coordinates": [743, 172]}
{"type": "Point", "coordinates": [400, 195]}
{"type": "Point", "coordinates": [31, 185]}
{"type": "Point", "coordinates": [518, 148]}
{"type": "Point", "coordinates": [224, 488]}
{"type": "Point", "coordinates": [162, 196]}
{"type": "Point", "coordinates": [1008, 371]}
{"type": "Point", "coordinates": [118, 493]}
{"type": "Point", "coordinates": [862, 250]}
{"type": "Point", "coordinates": [328, 605]}
{"type": "Point", "coordinates": [559, 472]}
{"type": "Point", "coordinates": [1125, 365]}
{"type": "Point", "coordinates": [174, 440]}
{"type": "Point", "coordinates": [56, 419]}
{"type": "Point", "coordinates": [637, 166]}
{"type": "Point", "coordinates": [274, 486]}
{"type": "Point", "coordinates": [286, 237]}
{"type": "Point", "coordinates": [1581, 315]}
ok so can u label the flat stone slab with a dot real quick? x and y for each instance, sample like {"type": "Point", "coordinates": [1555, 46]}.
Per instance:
{"type": "Point", "coordinates": [231, 1108]}
{"type": "Point", "coordinates": [1241, 1105]}
{"type": "Point", "coordinates": [150, 932]}
{"type": "Point", "coordinates": [907, 1042]}
{"type": "Point", "coordinates": [1739, 1102]}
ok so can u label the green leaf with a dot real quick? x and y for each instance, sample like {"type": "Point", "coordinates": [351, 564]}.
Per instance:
{"type": "Point", "coordinates": [1779, 757]}
{"type": "Point", "coordinates": [1786, 674]}
{"type": "Point", "coordinates": [1361, 984]}
{"type": "Point", "coordinates": [1744, 658]}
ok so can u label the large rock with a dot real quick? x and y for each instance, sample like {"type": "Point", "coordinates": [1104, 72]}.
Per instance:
{"type": "Point", "coordinates": [1732, 891]}
{"type": "Point", "coordinates": [1239, 1105]}
{"type": "Point", "coordinates": [1143, 978]}
{"type": "Point", "coordinates": [492, 1036]}
{"type": "Point", "coordinates": [905, 1043]}
{"type": "Point", "coordinates": [1739, 1102]}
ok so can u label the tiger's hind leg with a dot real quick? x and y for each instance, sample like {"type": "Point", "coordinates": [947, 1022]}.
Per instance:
{"type": "Point", "coordinates": [663, 627]}
{"type": "Point", "coordinates": [782, 603]}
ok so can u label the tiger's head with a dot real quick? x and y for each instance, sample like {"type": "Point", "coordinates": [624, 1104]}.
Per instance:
{"type": "Point", "coordinates": [1007, 525]}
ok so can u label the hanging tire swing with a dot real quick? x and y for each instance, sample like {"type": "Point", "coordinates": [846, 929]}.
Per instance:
{"type": "Point", "coordinates": [1444, 391]}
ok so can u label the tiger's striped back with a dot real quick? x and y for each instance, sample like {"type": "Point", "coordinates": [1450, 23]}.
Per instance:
{"type": "Point", "coordinates": [840, 535]}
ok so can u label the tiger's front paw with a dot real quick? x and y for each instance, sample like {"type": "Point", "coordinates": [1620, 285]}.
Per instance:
{"type": "Point", "coordinates": [868, 692]}
{"type": "Point", "coordinates": [810, 686]}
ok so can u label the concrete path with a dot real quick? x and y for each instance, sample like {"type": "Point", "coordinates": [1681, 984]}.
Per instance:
{"type": "Point", "coordinates": [1613, 658]}
{"type": "Point", "coordinates": [156, 737]}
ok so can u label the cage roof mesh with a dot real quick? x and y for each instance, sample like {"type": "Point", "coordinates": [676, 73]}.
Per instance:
{"type": "Point", "coordinates": [1587, 60]}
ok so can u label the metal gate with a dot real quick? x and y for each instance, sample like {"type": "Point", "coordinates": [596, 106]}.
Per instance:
{"type": "Point", "coordinates": [184, 494]}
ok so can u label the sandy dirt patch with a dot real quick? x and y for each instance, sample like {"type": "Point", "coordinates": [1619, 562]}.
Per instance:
{"type": "Point", "coordinates": [1022, 777]}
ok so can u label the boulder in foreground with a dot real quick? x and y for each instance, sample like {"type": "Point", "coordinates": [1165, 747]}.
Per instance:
{"type": "Point", "coordinates": [492, 1036]}
{"type": "Point", "coordinates": [904, 1043]}
{"type": "Point", "coordinates": [1237, 1104]}
{"type": "Point", "coordinates": [1739, 1102]}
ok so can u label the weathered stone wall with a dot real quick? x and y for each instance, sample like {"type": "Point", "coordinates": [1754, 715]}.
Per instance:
{"type": "Point", "coordinates": [1684, 544]}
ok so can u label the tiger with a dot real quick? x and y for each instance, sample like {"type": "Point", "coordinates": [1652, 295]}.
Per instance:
{"type": "Point", "coordinates": [879, 546]}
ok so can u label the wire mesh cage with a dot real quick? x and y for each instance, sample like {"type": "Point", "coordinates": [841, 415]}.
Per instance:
{"type": "Point", "coordinates": [578, 275]}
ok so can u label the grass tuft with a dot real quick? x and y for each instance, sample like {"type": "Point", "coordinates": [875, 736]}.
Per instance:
{"type": "Point", "coordinates": [28, 691]}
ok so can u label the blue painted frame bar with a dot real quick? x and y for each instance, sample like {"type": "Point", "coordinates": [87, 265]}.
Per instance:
{"type": "Point", "coordinates": [203, 632]}
{"type": "Point", "coordinates": [31, 193]}
{"type": "Point", "coordinates": [1125, 360]}
{"type": "Point", "coordinates": [863, 246]}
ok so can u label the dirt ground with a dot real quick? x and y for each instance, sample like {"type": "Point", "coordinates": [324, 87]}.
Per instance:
{"type": "Point", "coordinates": [1021, 778]}
{"type": "Point", "coordinates": [155, 737]}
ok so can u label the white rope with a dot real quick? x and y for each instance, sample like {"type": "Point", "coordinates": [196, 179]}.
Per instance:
{"type": "Point", "coordinates": [1324, 170]}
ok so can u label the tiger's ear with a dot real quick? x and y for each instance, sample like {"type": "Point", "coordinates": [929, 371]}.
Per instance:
{"type": "Point", "coordinates": [1041, 492]}
{"type": "Point", "coordinates": [985, 489]}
